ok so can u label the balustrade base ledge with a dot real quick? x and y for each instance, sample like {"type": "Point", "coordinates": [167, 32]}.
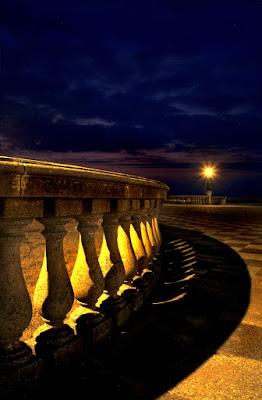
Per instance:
{"type": "Point", "coordinates": [92, 325]}
{"type": "Point", "coordinates": [61, 357]}
{"type": "Point", "coordinates": [117, 308]}
{"type": "Point", "coordinates": [144, 286]}
{"type": "Point", "coordinates": [26, 377]}
{"type": "Point", "coordinates": [134, 297]}
{"type": "Point", "coordinates": [94, 331]}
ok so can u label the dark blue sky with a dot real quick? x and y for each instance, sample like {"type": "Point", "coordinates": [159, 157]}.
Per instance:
{"type": "Point", "coordinates": [148, 87]}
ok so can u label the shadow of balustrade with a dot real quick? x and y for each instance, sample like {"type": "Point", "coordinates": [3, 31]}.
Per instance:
{"type": "Point", "coordinates": [202, 298]}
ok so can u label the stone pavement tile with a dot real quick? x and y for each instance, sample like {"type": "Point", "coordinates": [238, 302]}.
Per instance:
{"type": "Point", "coordinates": [249, 233]}
{"type": "Point", "coordinates": [259, 274]}
{"type": "Point", "coordinates": [250, 237]}
{"type": "Point", "coordinates": [257, 241]}
{"type": "Point", "coordinates": [222, 377]}
{"type": "Point", "coordinates": [169, 396]}
{"type": "Point", "coordinates": [254, 246]}
{"type": "Point", "coordinates": [253, 315]}
{"type": "Point", "coordinates": [253, 251]}
{"type": "Point", "coordinates": [254, 263]}
{"type": "Point", "coordinates": [253, 318]}
{"type": "Point", "coordinates": [228, 232]}
{"type": "Point", "coordinates": [245, 342]}
{"type": "Point", "coordinates": [253, 271]}
{"type": "Point", "coordinates": [250, 256]}
{"type": "Point", "coordinates": [236, 248]}
{"type": "Point", "coordinates": [236, 241]}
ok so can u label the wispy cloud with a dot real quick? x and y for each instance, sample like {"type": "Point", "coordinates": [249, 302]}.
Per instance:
{"type": "Point", "coordinates": [93, 121]}
{"type": "Point", "coordinates": [159, 158]}
{"type": "Point", "coordinates": [171, 93]}
{"type": "Point", "coordinates": [83, 121]}
{"type": "Point", "coordinates": [192, 110]}
{"type": "Point", "coordinates": [57, 115]}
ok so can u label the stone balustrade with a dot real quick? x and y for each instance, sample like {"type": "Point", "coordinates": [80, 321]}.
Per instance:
{"type": "Point", "coordinates": [196, 199]}
{"type": "Point", "coordinates": [115, 217]}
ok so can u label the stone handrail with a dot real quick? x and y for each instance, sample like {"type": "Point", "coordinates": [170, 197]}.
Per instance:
{"type": "Point", "coordinates": [113, 274]}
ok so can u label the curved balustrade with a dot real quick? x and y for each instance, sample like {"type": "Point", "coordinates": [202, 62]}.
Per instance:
{"type": "Point", "coordinates": [196, 199]}
{"type": "Point", "coordinates": [112, 277]}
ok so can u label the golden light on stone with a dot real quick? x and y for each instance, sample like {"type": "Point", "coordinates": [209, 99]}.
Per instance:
{"type": "Point", "coordinates": [116, 241]}
{"type": "Point", "coordinates": [137, 244]}
{"type": "Point", "coordinates": [127, 254]}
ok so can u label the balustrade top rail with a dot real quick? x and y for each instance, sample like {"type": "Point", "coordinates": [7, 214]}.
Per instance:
{"type": "Point", "coordinates": [30, 178]}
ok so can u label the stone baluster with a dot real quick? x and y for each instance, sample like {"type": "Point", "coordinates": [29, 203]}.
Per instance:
{"type": "Point", "coordinates": [144, 231]}
{"type": "Point", "coordinates": [112, 268]}
{"type": "Point", "coordinates": [154, 227]}
{"type": "Point", "coordinates": [125, 247]}
{"type": "Point", "coordinates": [142, 248]}
{"type": "Point", "coordinates": [136, 236]}
{"type": "Point", "coordinates": [157, 233]}
{"type": "Point", "coordinates": [127, 289]}
{"type": "Point", "coordinates": [15, 303]}
{"type": "Point", "coordinates": [54, 297]}
{"type": "Point", "coordinates": [87, 278]}
{"type": "Point", "coordinates": [151, 229]}
{"type": "Point", "coordinates": [156, 213]}
{"type": "Point", "coordinates": [150, 273]}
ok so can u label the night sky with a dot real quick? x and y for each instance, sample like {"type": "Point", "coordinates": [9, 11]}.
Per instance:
{"type": "Point", "coordinates": [155, 88]}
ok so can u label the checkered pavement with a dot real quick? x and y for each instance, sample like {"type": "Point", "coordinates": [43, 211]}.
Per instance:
{"type": "Point", "coordinates": [239, 227]}
{"type": "Point", "coordinates": [235, 370]}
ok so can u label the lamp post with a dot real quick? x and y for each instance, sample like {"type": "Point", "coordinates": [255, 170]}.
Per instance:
{"type": "Point", "coordinates": [208, 174]}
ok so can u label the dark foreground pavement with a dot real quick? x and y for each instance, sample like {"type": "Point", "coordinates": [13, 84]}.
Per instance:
{"type": "Point", "coordinates": [202, 336]}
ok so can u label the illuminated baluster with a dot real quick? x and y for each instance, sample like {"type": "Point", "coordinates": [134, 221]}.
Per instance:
{"type": "Point", "coordinates": [15, 303]}
{"type": "Point", "coordinates": [125, 247]}
{"type": "Point", "coordinates": [130, 292]}
{"type": "Point", "coordinates": [144, 232]}
{"type": "Point", "coordinates": [53, 297]}
{"type": "Point", "coordinates": [157, 209]}
{"type": "Point", "coordinates": [142, 248]}
{"type": "Point", "coordinates": [87, 278]}
{"type": "Point", "coordinates": [154, 214]}
{"type": "Point", "coordinates": [150, 231]}
{"type": "Point", "coordinates": [137, 240]}
{"type": "Point", "coordinates": [156, 266]}
{"type": "Point", "coordinates": [113, 269]}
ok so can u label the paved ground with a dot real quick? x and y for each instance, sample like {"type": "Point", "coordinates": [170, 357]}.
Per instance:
{"type": "Point", "coordinates": [234, 371]}
{"type": "Point", "coordinates": [202, 336]}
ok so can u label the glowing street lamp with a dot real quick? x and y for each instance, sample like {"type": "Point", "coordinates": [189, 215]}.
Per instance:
{"type": "Point", "coordinates": [209, 172]}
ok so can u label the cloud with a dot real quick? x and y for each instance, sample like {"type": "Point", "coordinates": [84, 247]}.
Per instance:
{"type": "Point", "coordinates": [93, 121]}
{"type": "Point", "coordinates": [185, 109]}
{"type": "Point", "coordinates": [178, 163]}
{"type": "Point", "coordinates": [155, 86]}
{"type": "Point", "coordinates": [240, 110]}
{"type": "Point", "coordinates": [163, 95]}
{"type": "Point", "coordinates": [59, 117]}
